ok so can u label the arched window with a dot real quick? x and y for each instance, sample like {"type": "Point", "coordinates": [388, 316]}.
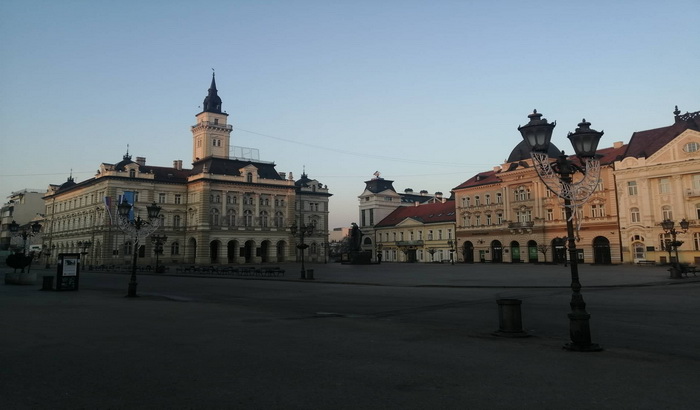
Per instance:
{"type": "Point", "coordinates": [666, 212]}
{"type": "Point", "coordinates": [639, 250]}
{"type": "Point", "coordinates": [231, 215]}
{"type": "Point", "coordinates": [214, 217]}
{"type": "Point", "coordinates": [279, 219]}
{"type": "Point", "coordinates": [247, 217]}
{"type": "Point", "coordinates": [263, 219]}
{"type": "Point", "coordinates": [487, 199]}
{"type": "Point", "coordinates": [249, 177]}
{"type": "Point", "coordinates": [477, 200]}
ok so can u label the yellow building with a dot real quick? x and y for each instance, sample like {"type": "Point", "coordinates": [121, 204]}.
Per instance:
{"type": "Point", "coordinates": [223, 210]}
{"type": "Point", "coordinates": [507, 215]}
{"type": "Point", "coordinates": [418, 233]}
{"type": "Point", "coordinates": [659, 179]}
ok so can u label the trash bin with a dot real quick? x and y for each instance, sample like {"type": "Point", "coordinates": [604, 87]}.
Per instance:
{"type": "Point", "coordinates": [310, 274]}
{"type": "Point", "coordinates": [510, 323]}
{"type": "Point", "coordinates": [47, 284]}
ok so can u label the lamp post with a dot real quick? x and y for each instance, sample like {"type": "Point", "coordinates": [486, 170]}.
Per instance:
{"type": "Point", "coordinates": [379, 252]}
{"type": "Point", "coordinates": [669, 227]}
{"type": "Point", "coordinates": [451, 244]}
{"type": "Point", "coordinates": [84, 245]}
{"type": "Point", "coordinates": [303, 231]}
{"type": "Point", "coordinates": [158, 242]}
{"type": "Point", "coordinates": [558, 178]}
{"type": "Point", "coordinates": [25, 234]}
{"type": "Point", "coordinates": [137, 228]}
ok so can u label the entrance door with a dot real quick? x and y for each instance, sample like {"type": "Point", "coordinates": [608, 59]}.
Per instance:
{"type": "Point", "coordinates": [514, 251]}
{"type": "Point", "coordinates": [532, 251]}
{"type": "Point", "coordinates": [468, 252]}
{"type": "Point", "coordinates": [496, 252]}
{"type": "Point", "coordinates": [601, 250]}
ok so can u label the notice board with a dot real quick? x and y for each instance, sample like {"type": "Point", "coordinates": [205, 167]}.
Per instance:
{"type": "Point", "coordinates": [68, 274]}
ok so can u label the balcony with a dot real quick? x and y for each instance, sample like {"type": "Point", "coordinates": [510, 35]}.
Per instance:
{"type": "Point", "coordinates": [521, 225]}
{"type": "Point", "coordinates": [409, 243]}
{"type": "Point", "coordinates": [690, 193]}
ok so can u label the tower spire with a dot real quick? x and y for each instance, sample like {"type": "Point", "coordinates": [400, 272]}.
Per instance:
{"type": "Point", "coordinates": [212, 102]}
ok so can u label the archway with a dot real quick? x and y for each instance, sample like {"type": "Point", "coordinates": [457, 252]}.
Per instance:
{"type": "Point", "coordinates": [532, 252]}
{"type": "Point", "coordinates": [214, 247]}
{"type": "Point", "coordinates": [191, 250]}
{"type": "Point", "coordinates": [249, 251]}
{"type": "Point", "coordinates": [264, 251]}
{"type": "Point", "coordinates": [601, 250]}
{"type": "Point", "coordinates": [496, 251]}
{"type": "Point", "coordinates": [281, 251]}
{"type": "Point", "coordinates": [468, 252]}
{"type": "Point", "coordinates": [515, 252]}
{"type": "Point", "coordinates": [558, 250]}
{"type": "Point", "coordinates": [232, 251]}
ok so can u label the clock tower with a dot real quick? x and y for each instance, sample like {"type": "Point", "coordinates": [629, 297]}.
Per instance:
{"type": "Point", "coordinates": [211, 135]}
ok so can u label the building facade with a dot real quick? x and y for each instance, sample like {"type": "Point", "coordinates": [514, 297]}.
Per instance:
{"type": "Point", "coordinates": [419, 233]}
{"type": "Point", "coordinates": [507, 215]}
{"type": "Point", "coordinates": [659, 179]}
{"type": "Point", "coordinates": [223, 210]}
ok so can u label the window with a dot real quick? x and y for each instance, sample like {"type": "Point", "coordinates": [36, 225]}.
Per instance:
{"type": "Point", "coordinates": [132, 173]}
{"type": "Point", "coordinates": [175, 248]}
{"type": "Point", "coordinates": [440, 234]}
{"type": "Point", "coordinates": [597, 211]}
{"type": "Point", "coordinates": [249, 177]}
{"type": "Point", "coordinates": [488, 219]}
{"type": "Point", "coordinates": [638, 250]}
{"type": "Point", "coordinates": [697, 210]}
{"type": "Point", "coordinates": [214, 217]}
{"type": "Point", "coordinates": [128, 247]}
{"type": "Point", "coordinates": [664, 185]}
{"type": "Point", "coordinates": [231, 215]}
{"type": "Point", "coordinates": [635, 217]}
{"type": "Point", "coordinates": [430, 235]}
{"type": "Point", "coordinates": [176, 221]}
{"type": "Point", "coordinates": [279, 219]}
{"type": "Point", "coordinates": [248, 218]}
{"type": "Point", "coordinates": [467, 201]}
{"type": "Point", "coordinates": [477, 220]}
{"type": "Point", "coordinates": [696, 241]}
{"type": "Point", "coordinates": [550, 214]}
{"type": "Point", "coordinates": [178, 198]}
{"type": "Point", "coordinates": [477, 200]}
{"type": "Point", "coordinates": [263, 219]}
{"type": "Point", "coordinates": [524, 215]}
{"type": "Point", "coordinates": [487, 198]}
{"type": "Point", "coordinates": [499, 198]}
{"type": "Point", "coordinates": [499, 218]}
{"type": "Point", "coordinates": [666, 212]}
{"type": "Point", "coordinates": [665, 241]}
{"type": "Point", "coordinates": [161, 198]}
{"type": "Point", "coordinates": [691, 147]}
{"type": "Point", "coordinates": [632, 188]}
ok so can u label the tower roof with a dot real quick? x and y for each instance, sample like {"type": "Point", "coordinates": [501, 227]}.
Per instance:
{"type": "Point", "coordinates": [212, 102]}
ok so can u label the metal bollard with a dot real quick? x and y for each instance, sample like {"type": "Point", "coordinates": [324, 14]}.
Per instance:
{"type": "Point", "coordinates": [510, 322]}
{"type": "Point", "coordinates": [47, 284]}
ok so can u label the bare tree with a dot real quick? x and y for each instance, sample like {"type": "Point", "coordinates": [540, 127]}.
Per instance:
{"type": "Point", "coordinates": [544, 249]}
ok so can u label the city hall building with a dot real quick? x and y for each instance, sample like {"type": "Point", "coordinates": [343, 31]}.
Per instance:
{"type": "Point", "coordinates": [222, 210]}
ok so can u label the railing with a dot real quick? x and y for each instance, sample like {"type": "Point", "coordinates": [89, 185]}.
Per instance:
{"type": "Point", "coordinates": [516, 225]}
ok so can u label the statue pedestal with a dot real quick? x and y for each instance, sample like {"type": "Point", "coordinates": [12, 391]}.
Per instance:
{"type": "Point", "coordinates": [17, 278]}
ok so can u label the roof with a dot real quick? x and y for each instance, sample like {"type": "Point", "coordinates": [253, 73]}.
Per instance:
{"type": "Point", "coordinates": [522, 152]}
{"type": "Point", "coordinates": [224, 166]}
{"type": "Point", "coordinates": [439, 212]}
{"type": "Point", "coordinates": [377, 185]}
{"type": "Point", "coordinates": [643, 144]}
{"type": "Point", "coordinates": [483, 178]}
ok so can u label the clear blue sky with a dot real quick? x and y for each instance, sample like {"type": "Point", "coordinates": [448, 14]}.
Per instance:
{"type": "Point", "coordinates": [426, 92]}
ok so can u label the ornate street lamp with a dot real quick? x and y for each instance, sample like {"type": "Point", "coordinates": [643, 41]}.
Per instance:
{"type": "Point", "coordinates": [158, 241]}
{"type": "Point", "coordinates": [669, 227]}
{"type": "Point", "coordinates": [557, 176]}
{"type": "Point", "coordinates": [137, 228]}
{"type": "Point", "coordinates": [451, 244]}
{"type": "Point", "coordinates": [25, 234]}
{"type": "Point", "coordinates": [84, 245]}
{"type": "Point", "coordinates": [379, 252]}
{"type": "Point", "coordinates": [303, 231]}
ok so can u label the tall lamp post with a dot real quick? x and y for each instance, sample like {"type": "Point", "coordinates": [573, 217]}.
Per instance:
{"type": "Point", "coordinates": [84, 245]}
{"type": "Point", "coordinates": [158, 242]}
{"type": "Point", "coordinates": [302, 231]}
{"type": "Point", "coordinates": [451, 244]}
{"type": "Point", "coordinates": [669, 227]}
{"type": "Point", "coordinates": [557, 175]}
{"type": "Point", "coordinates": [25, 234]}
{"type": "Point", "coordinates": [137, 228]}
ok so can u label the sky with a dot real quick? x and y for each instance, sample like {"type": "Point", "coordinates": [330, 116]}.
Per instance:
{"type": "Point", "coordinates": [428, 93]}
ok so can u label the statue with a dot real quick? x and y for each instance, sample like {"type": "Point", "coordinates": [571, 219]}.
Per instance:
{"type": "Point", "coordinates": [355, 238]}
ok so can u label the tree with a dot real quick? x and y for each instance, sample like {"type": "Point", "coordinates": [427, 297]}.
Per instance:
{"type": "Point", "coordinates": [544, 249]}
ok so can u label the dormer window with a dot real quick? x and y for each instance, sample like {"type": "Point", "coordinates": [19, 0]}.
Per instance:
{"type": "Point", "coordinates": [132, 173]}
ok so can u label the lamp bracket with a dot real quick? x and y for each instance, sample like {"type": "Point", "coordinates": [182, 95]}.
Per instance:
{"type": "Point", "coordinates": [144, 229]}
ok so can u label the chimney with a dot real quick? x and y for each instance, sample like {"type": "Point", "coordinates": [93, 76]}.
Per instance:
{"type": "Point", "coordinates": [141, 161]}
{"type": "Point", "coordinates": [283, 175]}
{"type": "Point", "coordinates": [618, 144]}
{"type": "Point", "coordinates": [496, 168]}
{"type": "Point", "coordinates": [438, 195]}
{"type": "Point", "coordinates": [177, 164]}
{"type": "Point", "coordinates": [423, 192]}
{"type": "Point", "coordinates": [408, 190]}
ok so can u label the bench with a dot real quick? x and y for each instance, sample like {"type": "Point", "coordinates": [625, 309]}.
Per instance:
{"type": "Point", "coordinates": [678, 270]}
{"type": "Point", "coordinates": [645, 262]}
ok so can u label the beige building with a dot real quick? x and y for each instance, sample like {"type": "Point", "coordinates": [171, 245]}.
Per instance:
{"type": "Point", "coordinates": [507, 215]}
{"type": "Point", "coordinates": [658, 179]}
{"type": "Point", "coordinates": [223, 210]}
{"type": "Point", "coordinates": [419, 233]}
